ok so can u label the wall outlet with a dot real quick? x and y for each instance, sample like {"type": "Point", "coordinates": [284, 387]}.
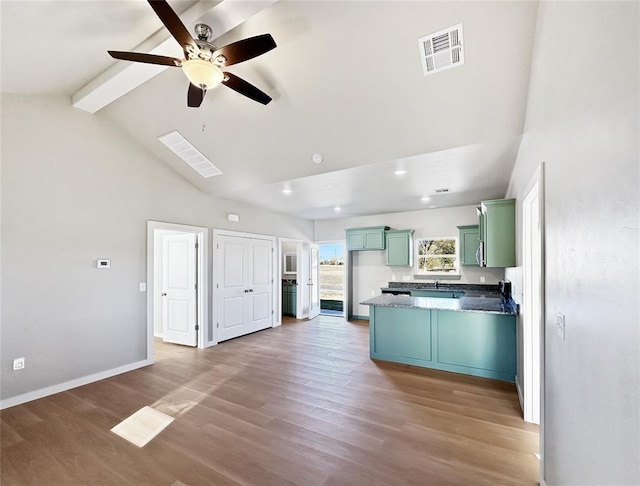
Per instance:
{"type": "Point", "coordinates": [393, 278]}
{"type": "Point", "coordinates": [143, 286]}
{"type": "Point", "coordinates": [560, 327]}
{"type": "Point", "coordinates": [18, 364]}
{"type": "Point", "coordinates": [482, 279]}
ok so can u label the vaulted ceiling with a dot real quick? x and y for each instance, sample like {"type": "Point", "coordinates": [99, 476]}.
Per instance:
{"type": "Point", "coordinates": [346, 81]}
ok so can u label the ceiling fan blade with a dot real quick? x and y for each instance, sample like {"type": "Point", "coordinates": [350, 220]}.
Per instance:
{"type": "Point", "coordinates": [195, 96]}
{"type": "Point", "coordinates": [245, 49]}
{"type": "Point", "coordinates": [173, 23]}
{"type": "Point", "coordinates": [146, 58]}
{"type": "Point", "coordinates": [244, 88]}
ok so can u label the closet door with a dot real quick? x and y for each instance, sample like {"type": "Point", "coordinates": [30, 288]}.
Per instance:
{"type": "Point", "coordinates": [244, 285]}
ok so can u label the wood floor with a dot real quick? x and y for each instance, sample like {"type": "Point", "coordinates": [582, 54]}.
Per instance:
{"type": "Point", "coordinates": [301, 404]}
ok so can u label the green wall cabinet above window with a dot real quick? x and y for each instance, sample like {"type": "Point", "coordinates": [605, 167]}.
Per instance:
{"type": "Point", "coordinates": [359, 239]}
{"type": "Point", "coordinates": [498, 233]}
{"type": "Point", "coordinates": [399, 248]}
{"type": "Point", "coordinates": [469, 237]}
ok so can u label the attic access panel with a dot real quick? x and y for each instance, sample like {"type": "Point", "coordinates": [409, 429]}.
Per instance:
{"type": "Point", "coordinates": [442, 50]}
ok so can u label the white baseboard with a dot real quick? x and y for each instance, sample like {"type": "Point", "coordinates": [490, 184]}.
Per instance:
{"type": "Point", "coordinates": [68, 385]}
{"type": "Point", "coordinates": [158, 335]}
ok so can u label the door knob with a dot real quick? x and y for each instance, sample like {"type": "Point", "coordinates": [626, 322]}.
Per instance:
{"type": "Point", "coordinates": [164, 294]}
{"type": "Point", "coordinates": [250, 290]}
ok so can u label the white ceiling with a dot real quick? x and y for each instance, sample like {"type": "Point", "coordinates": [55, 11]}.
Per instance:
{"type": "Point", "coordinates": [346, 81]}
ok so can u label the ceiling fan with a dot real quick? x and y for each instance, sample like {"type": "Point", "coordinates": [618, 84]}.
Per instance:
{"type": "Point", "coordinates": [203, 62]}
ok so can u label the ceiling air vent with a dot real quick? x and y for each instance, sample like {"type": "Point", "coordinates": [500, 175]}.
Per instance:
{"type": "Point", "coordinates": [191, 155]}
{"type": "Point", "coordinates": [442, 50]}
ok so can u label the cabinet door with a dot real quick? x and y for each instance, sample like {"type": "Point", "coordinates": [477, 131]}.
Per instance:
{"type": "Point", "coordinates": [469, 240]}
{"type": "Point", "coordinates": [402, 335]}
{"type": "Point", "coordinates": [293, 304]}
{"type": "Point", "coordinates": [355, 240]}
{"type": "Point", "coordinates": [499, 232]}
{"type": "Point", "coordinates": [477, 341]}
{"type": "Point", "coordinates": [399, 246]}
{"type": "Point", "coordinates": [374, 240]}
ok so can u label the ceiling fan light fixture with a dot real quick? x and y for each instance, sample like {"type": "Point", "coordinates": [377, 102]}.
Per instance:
{"type": "Point", "coordinates": [203, 74]}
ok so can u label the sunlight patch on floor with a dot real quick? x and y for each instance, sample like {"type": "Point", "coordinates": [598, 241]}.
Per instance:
{"type": "Point", "coordinates": [141, 427]}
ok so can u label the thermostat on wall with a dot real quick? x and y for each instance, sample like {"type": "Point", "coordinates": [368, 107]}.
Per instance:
{"type": "Point", "coordinates": [103, 263]}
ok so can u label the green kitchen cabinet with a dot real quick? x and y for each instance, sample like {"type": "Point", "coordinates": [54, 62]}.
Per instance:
{"type": "Point", "coordinates": [469, 237]}
{"type": "Point", "coordinates": [498, 233]}
{"type": "Point", "coordinates": [399, 248]}
{"type": "Point", "coordinates": [472, 343]}
{"type": "Point", "coordinates": [373, 238]}
{"type": "Point", "coordinates": [289, 299]}
{"type": "Point", "coordinates": [475, 343]}
{"type": "Point", "coordinates": [440, 294]}
{"type": "Point", "coordinates": [401, 335]}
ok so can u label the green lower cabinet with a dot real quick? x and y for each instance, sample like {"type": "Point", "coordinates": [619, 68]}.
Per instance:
{"type": "Point", "coordinates": [472, 343]}
{"type": "Point", "coordinates": [476, 343]}
{"type": "Point", "coordinates": [400, 334]}
{"type": "Point", "coordinates": [289, 300]}
{"type": "Point", "coordinates": [440, 294]}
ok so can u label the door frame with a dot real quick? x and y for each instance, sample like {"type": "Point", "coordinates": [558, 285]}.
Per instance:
{"type": "Point", "coordinates": [202, 237]}
{"type": "Point", "coordinates": [345, 254]}
{"type": "Point", "coordinates": [213, 337]}
{"type": "Point", "coordinates": [299, 266]}
{"type": "Point", "coordinates": [316, 247]}
{"type": "Point", "coordinates": [533, 357]}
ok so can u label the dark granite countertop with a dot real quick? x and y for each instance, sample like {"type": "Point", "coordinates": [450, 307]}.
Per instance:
{"type": "Point", "coordinates": [487, 302]}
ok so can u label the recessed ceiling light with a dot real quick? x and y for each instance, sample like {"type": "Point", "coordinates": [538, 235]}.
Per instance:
{"type": "Point", "coordinates": [286, 192]}
{"type": "Point", "coordinates": [432, 207]}
{"type": "Point", "coordinates": [337, 209]}
{"type": "Point", "coordinates": [317, 158]}
{"type": "Point", "coordinates": [425, 199]}
{"type": "Point", "coordinates": [400, 172]}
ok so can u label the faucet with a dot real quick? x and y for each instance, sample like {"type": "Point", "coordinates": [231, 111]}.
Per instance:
{"type": "Point", "coordinates": [436, 284]}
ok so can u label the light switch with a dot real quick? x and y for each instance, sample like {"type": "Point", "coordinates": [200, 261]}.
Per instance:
{"type": "Point", "coordinates": [143, 286]}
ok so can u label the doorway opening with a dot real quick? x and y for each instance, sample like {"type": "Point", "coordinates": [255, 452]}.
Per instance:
{"type": "Point", "coordinates": [332, 278]}
{"type": "Point", "coordinates": [291, 273]}
{"type": "Point", "coordinates": [177, 275]}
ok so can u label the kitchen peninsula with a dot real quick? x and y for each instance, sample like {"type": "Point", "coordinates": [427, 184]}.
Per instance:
{"type": "Point", "coordinates": [468, 329]}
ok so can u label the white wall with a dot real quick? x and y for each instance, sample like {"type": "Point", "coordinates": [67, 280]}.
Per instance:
{"type": "Point", "coordinates": [74, 189]}
{"type": "Point", "coordinates": [370, 271]}
{"type": "Point", "coordinates": [582, 121]}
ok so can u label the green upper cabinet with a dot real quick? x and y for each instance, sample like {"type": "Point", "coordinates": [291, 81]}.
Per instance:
{"type": "Point", "coordinates": [366, 238]}
{"type": "Point", "coordinates": [469, 237]}
{"type": "Point", "coordinates": [399, 248]}
{"type": "Point", "coordinates": [498, 232]}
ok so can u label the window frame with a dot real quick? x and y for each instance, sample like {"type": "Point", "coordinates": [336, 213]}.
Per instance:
{"type": "Point", "coordinates": [456, 255]}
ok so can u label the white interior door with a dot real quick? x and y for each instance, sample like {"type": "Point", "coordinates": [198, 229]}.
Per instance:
{"type": "Point", "coordinates": [314, 281]}
{"type": "Point", "coordinates": [179, 277]}
{"type": "Point", "coordinates": [245, 286]}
